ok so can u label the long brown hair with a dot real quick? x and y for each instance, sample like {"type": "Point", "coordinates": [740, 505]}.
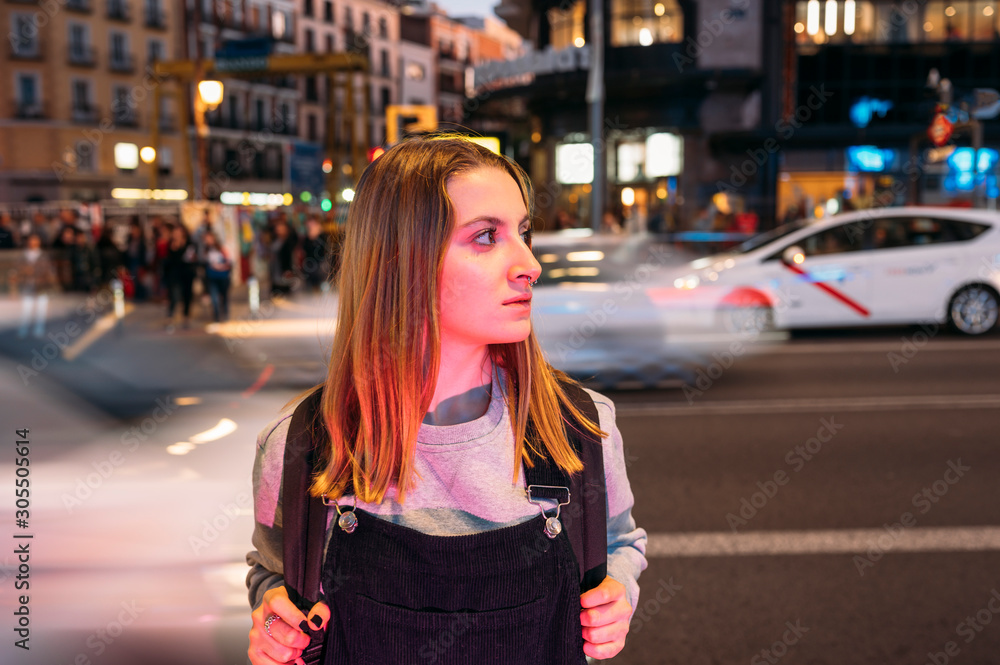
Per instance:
{"type": "Point", "coordinates": [386, 349]}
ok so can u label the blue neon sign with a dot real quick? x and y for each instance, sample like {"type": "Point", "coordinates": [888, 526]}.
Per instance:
{"type": "Point", "coordinates": [869, 158]}
{"type": "Point", "coordinates": [866, 108]}
{"type": "Point", "coordinates": [966, 169]}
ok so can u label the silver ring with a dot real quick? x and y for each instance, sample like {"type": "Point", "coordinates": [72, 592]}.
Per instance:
{"type": "Point", "coordinates": [267, 624]}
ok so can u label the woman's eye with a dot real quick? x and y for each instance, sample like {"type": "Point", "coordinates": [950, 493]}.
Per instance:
{"type": "Point", "coordinates": [487, 237]}
{"type": "Point", "coordinates": [526, 236]}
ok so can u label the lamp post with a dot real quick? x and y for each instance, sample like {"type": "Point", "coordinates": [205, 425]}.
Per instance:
{"type": "Point", "coordinates": [207, 98]}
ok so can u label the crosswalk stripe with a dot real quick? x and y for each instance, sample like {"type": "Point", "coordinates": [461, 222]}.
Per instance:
{"type": "Point", "coordinates": [894, 538]}
{"type": "Point", "coordinates": [826, 405]}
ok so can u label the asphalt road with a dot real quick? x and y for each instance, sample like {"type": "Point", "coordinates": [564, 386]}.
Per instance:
{"type": "Point", "coordinates": [766, 481]}
{"type": "Point", "coordinates": [877, 448]}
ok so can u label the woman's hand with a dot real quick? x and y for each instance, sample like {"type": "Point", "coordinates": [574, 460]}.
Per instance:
{"type": "Point", "coordinates": [605, 619]}
{"type": "Point", "coordinates": [288, 637]}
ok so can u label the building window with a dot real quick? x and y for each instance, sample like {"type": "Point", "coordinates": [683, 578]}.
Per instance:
{"type": "Point", "coordinates": [386, 98]}
{"type": "Point", "coordinates": [383, 28]}
{"type": "Point", "coordinates": [84, 151]}
{"type": "Point", "coordinates": [329, 44]}
{"type": "Point", "coordinates": [328, 12]}
{"type": "Point", "coordinates": [23, 36]}
{"type": "Point", "coordinates": [641, 23]}
{"type": "Point", "coordinates": [122, 109]}
{"type": "Point", "coordinates": [119, 51]}
{"type": "Point", "coordinates": [566, 26]}
{"type": "Point", "coordinates": [385, 64]}
{"type": "Point", "coordinates": [28, 99]}
{"type": "Point", "coordinates": [81, 108]}
{"type": "Point", "coordinates": [349, 18]}
{"type": "Point", "coordinates": [366, 23]}
{"type": "Point", "coordinates": [310, 41]}
{"type": "Point", "coordinates": [260, 115]}
{"type": "Point", "coordinates": [80, 51]}
{"type": "Point", "coordinates": [307, 8]}
{"type": "Point", "coordinates": [154, 51]}
{"type": "Point", "coordinates": [311, 127]}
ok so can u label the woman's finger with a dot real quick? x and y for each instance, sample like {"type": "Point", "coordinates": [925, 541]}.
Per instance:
{"type": "Point", "coordinates": [319, 615]}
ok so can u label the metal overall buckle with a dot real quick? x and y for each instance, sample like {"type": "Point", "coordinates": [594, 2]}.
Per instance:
{"type": "Point", "coordinates": [553, 527]}
{"type": "Point", "coordinates": [346, 520]}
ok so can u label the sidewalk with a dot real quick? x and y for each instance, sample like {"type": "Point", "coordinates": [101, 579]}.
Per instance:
{"type": "Point", "coordinates": [122, 365]}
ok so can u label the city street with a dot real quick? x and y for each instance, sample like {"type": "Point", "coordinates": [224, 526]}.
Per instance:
{"type": "Point", "coordinates": [827, 499]}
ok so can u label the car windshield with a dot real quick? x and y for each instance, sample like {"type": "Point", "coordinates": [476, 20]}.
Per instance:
{"type": "Point", "coordinates": [762, 239]}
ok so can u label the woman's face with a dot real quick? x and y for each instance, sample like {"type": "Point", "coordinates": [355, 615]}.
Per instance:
{"type": "Point", "coordinates": [484, 295]}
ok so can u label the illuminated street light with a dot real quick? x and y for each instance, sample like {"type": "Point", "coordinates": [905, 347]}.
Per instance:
{"type": "Point", "coordinates": [812, 17]}
{"type": "Point", "coordinates": [830, 26]}
{"type": "Point", "coordinates": [147, 154]}
{"type": "Point", "coordinates": [210, 93]}
{"type": "Point", "coordinates": [850, 13]}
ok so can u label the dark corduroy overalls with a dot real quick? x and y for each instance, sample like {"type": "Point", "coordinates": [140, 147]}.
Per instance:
{"type": "Point", "coordinates": [510, 596]}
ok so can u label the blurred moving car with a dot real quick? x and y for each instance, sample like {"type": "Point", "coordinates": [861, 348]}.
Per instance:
{"type": "Point", "coordinates": [592, 312]}
{"type": "Point", "coordinates": [910, 265]}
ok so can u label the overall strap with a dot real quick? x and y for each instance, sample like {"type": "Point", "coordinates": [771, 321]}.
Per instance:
{"type": "Point", "coordinates": [303, 528]}
{"type": "Point", "coordinates": [585, 517]}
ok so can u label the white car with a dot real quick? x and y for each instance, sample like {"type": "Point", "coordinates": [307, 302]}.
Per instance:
{"type": "Point", "coordinates": [911, 265]}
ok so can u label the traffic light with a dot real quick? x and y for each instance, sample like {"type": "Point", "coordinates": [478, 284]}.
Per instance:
{"type": "Point", "coordinates": [327, 165]}
{"type": "Point", "coordinates": [375, 153]}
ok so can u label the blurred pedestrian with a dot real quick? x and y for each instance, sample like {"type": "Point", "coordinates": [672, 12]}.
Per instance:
{"type": "Point", "coordinates": [135, 259]}
{"type": "Point", "coordinates": [161, 240]}
{"type": "Point", "coordinates": [218, 272]}
{"type": "Point", "coordinates": [84, 264]}
{"type": "Point", "coordinates": [109, 256]}
{"type": "Point", "coordinates": [178, 273]}
{"type": "Point", "coordinates": [423, 447]}
{"type": "Point", "coordinates": [282, 259]}
{"type": "Point", "coordinates": [8, 234]}
{"type": "Point", "coordinates": [315, 256]}
{"type": "Point", "coordinates": [35, 278]}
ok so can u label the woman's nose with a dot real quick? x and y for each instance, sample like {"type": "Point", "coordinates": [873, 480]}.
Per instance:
{"type": "Point", "coordinates": [525, 265]}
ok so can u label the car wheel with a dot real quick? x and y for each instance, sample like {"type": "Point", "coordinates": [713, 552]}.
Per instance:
{"type": "Point", "coordinates": [973, 310]}
{"type": "Point", "coordinates": [752, 320]}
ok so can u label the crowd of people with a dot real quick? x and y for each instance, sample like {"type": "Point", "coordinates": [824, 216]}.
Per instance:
{"type": "Point", "coordinates": [161, 262]}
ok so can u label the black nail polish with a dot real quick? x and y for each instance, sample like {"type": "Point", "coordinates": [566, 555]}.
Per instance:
{"type": "Point", "coordinates": [304, 626]}
{"type": "Point", "coordinates": [317, 620]}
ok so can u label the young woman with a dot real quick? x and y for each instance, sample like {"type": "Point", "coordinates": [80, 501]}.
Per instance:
{"type": "Point", "coordinates": [434, 375]}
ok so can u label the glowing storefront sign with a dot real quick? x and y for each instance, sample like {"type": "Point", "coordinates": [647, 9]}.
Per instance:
{"type": "Point", "coordinates": [866, 108]}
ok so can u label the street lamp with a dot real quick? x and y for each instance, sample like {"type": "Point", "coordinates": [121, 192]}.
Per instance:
{"type": "Point", "coordinates": [208, 98]}
{"type": "Point", "coordinates": [147, 154]}
{"type": "Point", "coordinates": [210, 93]}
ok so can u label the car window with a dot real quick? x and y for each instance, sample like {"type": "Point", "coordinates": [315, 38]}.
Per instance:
{"type": "Point", "coordinates": [835, 240]}
{"type": "Point", "coordinates": [889, 233]}
{"type": "Point", "coordinates": [962, 231]}
{"type": "Point", "coordinates": [920, 231]}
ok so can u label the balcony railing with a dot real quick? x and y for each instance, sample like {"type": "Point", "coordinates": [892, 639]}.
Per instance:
{"type": "Point", "coordinates": [79, 6]}
{"type": "Point", "coordinates": [118, 10]}
{"type": "Point", "coordinates": [122, 63]}
{"type": "Point", "coordinates": [84, 113]}
{"type": "Point", "coordinates": [156, 18]}
{"type": "Point", "coordinates": [124, 116]}
{"type": "Point", "coordinates": [29, 110]}
{"type": "Point", "coordinates": [26, 50]}
{"type": "Point", "coordinates": [82, 55]}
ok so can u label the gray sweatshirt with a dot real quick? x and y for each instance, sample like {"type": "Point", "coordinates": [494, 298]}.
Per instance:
{"type": "Point", "coordinates": [464, 486]}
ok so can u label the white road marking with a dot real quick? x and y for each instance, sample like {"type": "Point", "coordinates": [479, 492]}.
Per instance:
{"type": "Point", "coordinates": [887, 346]}
{"type": "Point", "coordinates": [94, 333]}
{"type": "Point", "coordinates": [838, 541]}
{"type": "Point", "coordinates": [824, 404]}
